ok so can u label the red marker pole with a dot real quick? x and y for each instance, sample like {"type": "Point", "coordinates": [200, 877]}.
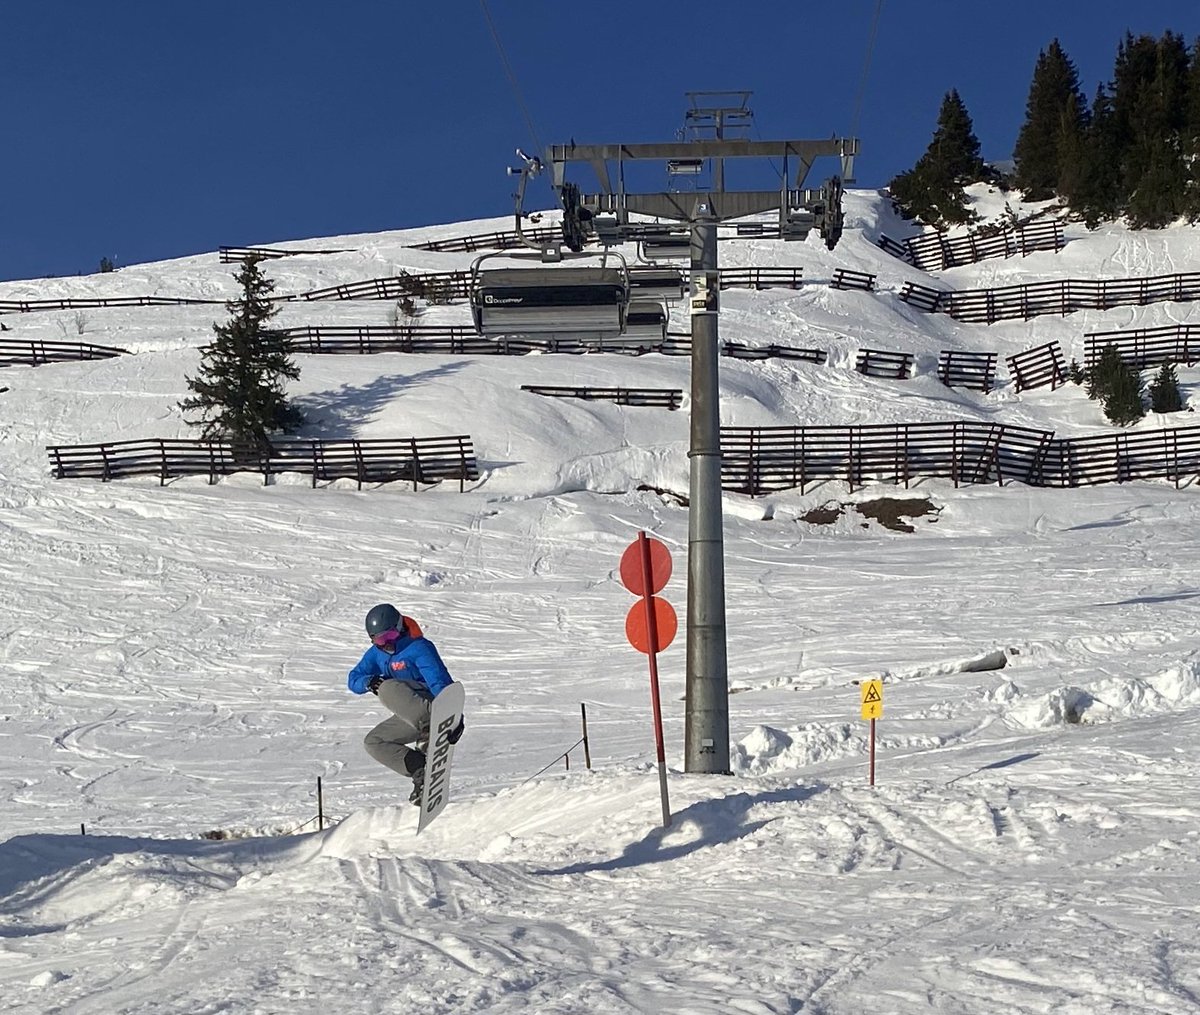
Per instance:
{"type": "Point", "coordinates": [652, 631]}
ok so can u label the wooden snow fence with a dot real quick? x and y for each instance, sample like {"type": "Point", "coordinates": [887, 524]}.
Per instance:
{"type": "Point", "coordinates": [973, 370]}
{"type": "Point", "coordinates": [1038, 367]}
{"type": "Point", "coordinates": [897, 366]}
{"type": "Point", "coordinates": [762, 460]}
{"type": "Point", "coordinates": [419, 460]}
{"type": "Point", "coordinates": [762, 278]}
{"type": "Point", "coordinates": [35, 352]}
{"type": "Point", "coordinates": [101, 302]}
{"type": "Point", "coordinates": [933, 251]}
{"type": "Point", "coordinates": [1146, 347]}
{"type": "Point", "coordinates": [500, 240]}
{"type": "Point", "coordinates": [662, 398]}
{"type": "Point", "coordinates": [235, 255]}
{"type": "Point", "coordinates": [845, 278]}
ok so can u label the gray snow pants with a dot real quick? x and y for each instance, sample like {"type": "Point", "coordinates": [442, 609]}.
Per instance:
{"type": "Point", "coordinates": [408, 723]}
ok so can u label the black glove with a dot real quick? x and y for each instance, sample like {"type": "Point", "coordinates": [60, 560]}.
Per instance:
{"type": "Point", "coordinates": [456, 734]}
{"type": "Point", "coordinates": [373, 684]}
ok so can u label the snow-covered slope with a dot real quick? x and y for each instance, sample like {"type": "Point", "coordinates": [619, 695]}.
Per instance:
{"type": "Point", "coordinates": [172, 664]}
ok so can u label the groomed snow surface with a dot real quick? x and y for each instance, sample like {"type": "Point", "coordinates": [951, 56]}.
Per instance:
{"type": "Point", "coordinates": [173, 660]}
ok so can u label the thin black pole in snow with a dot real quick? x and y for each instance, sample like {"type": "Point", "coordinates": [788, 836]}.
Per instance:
{"type": "Point", "coordinates": [587, 751]}
{"type": "Point", "coordinates": [320, 806]}
{"type": "Point", "coordinates": [82, 830]}
{"type": "Point", "coordinates": [872, 773]}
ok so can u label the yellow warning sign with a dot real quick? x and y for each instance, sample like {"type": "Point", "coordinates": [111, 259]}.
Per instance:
{"type": "Point", "coordinates": [872, 699]}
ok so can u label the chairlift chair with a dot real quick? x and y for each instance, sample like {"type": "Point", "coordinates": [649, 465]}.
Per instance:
{"type": "Point", "coordinates": [646, 322]}
{"type": "Point", "coordinates": [650, 282]}
{"type": "Point", "coordinates": [586, 304]}
{"type": "Point", "coordinates": [666, 246]}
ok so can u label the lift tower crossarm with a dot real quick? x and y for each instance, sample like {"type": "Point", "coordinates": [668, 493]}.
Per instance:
{"type": "Point", "coordinates": [804, 152]}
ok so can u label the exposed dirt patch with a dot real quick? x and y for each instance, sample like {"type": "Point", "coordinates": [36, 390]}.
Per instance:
{"type": "Point", "coordinates": [890, 512]}
{"type": "Point", "coordinates": [670, 496]}
{"type": "Point", "coordinates": [825, 515]}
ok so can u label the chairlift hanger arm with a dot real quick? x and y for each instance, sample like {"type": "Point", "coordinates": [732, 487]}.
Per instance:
{"type": "Point", "coordinates": [532, 166]}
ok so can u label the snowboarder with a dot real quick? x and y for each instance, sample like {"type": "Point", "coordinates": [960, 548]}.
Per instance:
{"type": "Point", "coordinates": [403, 669]}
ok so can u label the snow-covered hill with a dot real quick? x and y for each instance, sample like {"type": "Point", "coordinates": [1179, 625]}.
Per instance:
{"type": "Point", "coordinates": [172, 663]}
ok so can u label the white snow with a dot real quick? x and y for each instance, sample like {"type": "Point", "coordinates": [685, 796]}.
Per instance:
{"type": "Point", "coordinates": [173, 660]}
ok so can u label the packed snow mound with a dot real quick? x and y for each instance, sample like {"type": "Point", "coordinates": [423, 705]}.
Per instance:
{"type": "Point", "coordinates": [766, 750]}
{"type": "Point", "coordinates": [1112, 698]}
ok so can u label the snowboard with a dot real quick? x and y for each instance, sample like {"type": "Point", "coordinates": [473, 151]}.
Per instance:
{"type": "Point", "coordinates": [445, 715]}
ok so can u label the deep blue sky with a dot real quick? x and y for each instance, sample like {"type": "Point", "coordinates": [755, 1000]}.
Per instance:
{"type": "Point", "coordinates": [145, 129]}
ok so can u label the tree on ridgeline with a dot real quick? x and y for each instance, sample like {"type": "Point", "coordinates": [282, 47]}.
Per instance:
{"type": "Point", "coordinates": [1155, 175]}
{"type": "Point", "coordinates": [932, 190]}
{"type": "Point", "coordinates": [239, 391]}
{"type": "Point", "coordinates": [1048, 144]}
{"type": "Point", "coordinates": [1190, 142]}
{"type": "Point", "coordinates": [1139, 151]}
{"type": "Point", "coordinates": [1096, 192]}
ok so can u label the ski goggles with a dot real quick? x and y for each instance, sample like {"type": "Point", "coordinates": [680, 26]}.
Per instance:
{"type": "Point", "coordinates": [383, 637]}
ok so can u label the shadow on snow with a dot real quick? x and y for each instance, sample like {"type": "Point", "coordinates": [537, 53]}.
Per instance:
{"type": "Point", "coordinates": [719, 821]}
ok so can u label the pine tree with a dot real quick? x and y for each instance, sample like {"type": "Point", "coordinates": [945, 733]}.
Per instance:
{"type": "Point", "coordinates": [1117, 386]}
{"type": "Point", "coordinates": [1071, 141]}
{"type": "Point", "coordinates": [1098, 192]}
{"type": "Point", "coordinates": [955, 146]}
{"type": "Point", "coordinates": [1101, 377]}
{"type": "Point", "coordinates": [1155, 174]}
{"type": "Point", "coordinates": [239, 391]}
{"type": "Point", "coordinates": [1124, 402]}
{"type": "Point", "coordinates": [1190, 138]}
{"type": "Point", "coordinates": [932, 190]}
{"type": "Point", "coordinates": [1164, 390]}
{"type": "Point", "coordinates": [1054, 119]}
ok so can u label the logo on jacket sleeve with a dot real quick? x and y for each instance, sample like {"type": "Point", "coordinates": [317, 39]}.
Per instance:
{"type": "Point", "coordinates": [399, 664]}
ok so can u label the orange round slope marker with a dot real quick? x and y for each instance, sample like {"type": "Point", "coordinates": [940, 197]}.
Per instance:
{"type": "Point", "coordinates": [665, 622]}
{"type": "Point", "coordinates": [660, 567]}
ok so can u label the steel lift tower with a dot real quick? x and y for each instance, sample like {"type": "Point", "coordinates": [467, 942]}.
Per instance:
{"type": "Point", "coordinates": [605, 216]}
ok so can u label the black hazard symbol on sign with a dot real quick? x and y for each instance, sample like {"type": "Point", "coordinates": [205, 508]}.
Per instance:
{"type": "Point", "coordinates": [872, 699]}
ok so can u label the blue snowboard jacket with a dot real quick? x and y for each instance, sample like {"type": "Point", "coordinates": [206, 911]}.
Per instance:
{"type": "Point", "coordinates": [415, 661]}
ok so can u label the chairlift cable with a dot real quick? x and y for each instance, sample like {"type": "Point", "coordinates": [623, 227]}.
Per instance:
{"type": "Point", "coordinates": [512, 78]}
{"type": "Point", "coordinates": [862, 83]}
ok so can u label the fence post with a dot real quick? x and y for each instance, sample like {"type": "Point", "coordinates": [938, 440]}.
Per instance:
{"type": "Point", "coordinates": [416, 462]}
{"type": "Point", "coordinates": [850, 460]}
{"type": "Point", "coordinates": [107, 475]}
{"type": "Point", "coordinates": [587, 751]}
{"type": "Point", "coordinates": [955, 450]}
{"type": "Point", "coordinates": [797, 435]}
{"type": "Point", "coordinates": [162, 462]}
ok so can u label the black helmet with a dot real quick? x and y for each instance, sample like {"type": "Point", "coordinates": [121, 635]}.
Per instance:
{"type": "Point", "coordinates": [384, 617]}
